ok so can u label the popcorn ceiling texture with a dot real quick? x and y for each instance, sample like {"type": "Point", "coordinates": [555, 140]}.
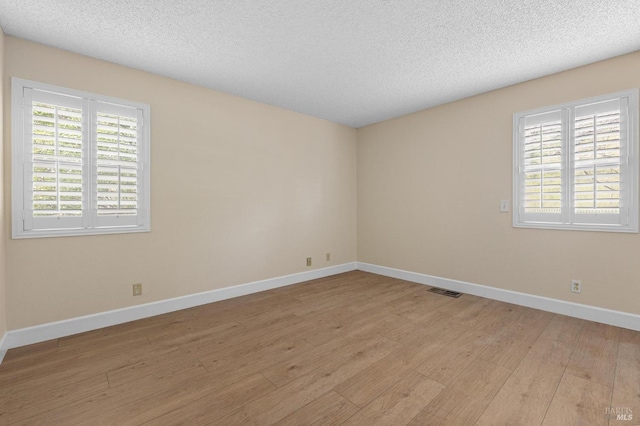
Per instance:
{"type": "Point", "coordinates": [352, 62]}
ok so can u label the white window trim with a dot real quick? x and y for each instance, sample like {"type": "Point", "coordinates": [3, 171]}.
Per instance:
{"type": "Point", "coordinates": [18, 173]}
{"type": "Point", "coordinates": [633, 165]}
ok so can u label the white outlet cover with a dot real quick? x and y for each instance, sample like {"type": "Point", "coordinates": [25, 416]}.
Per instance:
{"type": "Point", "coordinates": [504, 206]}
{"type": "Point", "coordinates": [576, 286]}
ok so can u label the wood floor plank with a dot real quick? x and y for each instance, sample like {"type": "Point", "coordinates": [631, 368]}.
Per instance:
{"type": "Point", "coordinates": [416, 305]}
{"type": "Point", "coordinates": [626, 390]}
{"type": "Point", "coordinates": [285, 400]}
{"type": "Point", "coordinates": [49, 360]}
{"type": "Point", "coordinates": [447, 364]}
{"type": "Point", "coordinates": [550, 352]}
{"type": "Point", "coordinates": [401, 403]}
{"type": "Point", "coordinates": [470, 309]}
{"type": "Point", "coordinates": [391, 291]}
{"type": "Point", "coordinates": [579, 401]}
{"type": "Point", "coordinates": [365, 386]}
{"type": "Point", "coordinates": [595, 354]}
{"type": "Point", "coordinates": [20, 402]}
{"type": "Point", "coordinates": [435, 329]}
{"type": "Point", "coordinates": [71, 367]}
{"type": "Point", "coordinates": [122, 333]}
{"type": "Point", "coordinates": [348, 326]}
{"type": "Point", "coordinates": [329, 409]}
{"type": "Point", "coordinates": [527, 394]}
{"type": "Point", "coordinates": [200, 402]}
{"type": "Point", "coordinates": [354, 348]}
{"type": "Point", "coordinates": [331, 352]}
{"type": "Point", "coordinates": [511, 345]}
{"type": "Point", "coordinates": [265, 312]}
{"type": "Point", "coordinates": [177, 331]}
{"type": "Point", "coordinates": [357, 290]}
{"type": "Point", "coordinates": [229, 339]}
{"type": "Point", "coordinates": [465, 399]}
{"type": "Point", "coordinates": [516, 404]}
{"type": "Point", "coordinates": [369, 383]}
{"type": "Point", "coordinates": [255, 359]}
{"type": "Point", "coordinates": [146, 367]}
{"type": "Point", "coordinates": [564, 328]}
{"type": "Point", "coordinates": [92, 406]}
{"type": "Point", "coordinates": [629, 346]}
{"type": "Point", "coordinates": [35, 350]}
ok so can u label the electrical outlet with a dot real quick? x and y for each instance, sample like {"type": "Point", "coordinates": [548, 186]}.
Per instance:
{"type": "Point", "coordinates": [576, 286]}
{"type": "Point", "coordinates": [328, 257]}
{"type": "Point", "coordinates": [308, 261]}
{"type": "Point", "coordinates": [137, 289]}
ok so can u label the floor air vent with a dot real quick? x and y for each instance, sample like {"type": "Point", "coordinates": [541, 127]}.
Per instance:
{"type": "Point", "coordinates": [445, 292]}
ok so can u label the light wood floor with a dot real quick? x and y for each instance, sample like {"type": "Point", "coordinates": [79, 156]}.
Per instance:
{"type": "Point", "coordinates": [355, 348]}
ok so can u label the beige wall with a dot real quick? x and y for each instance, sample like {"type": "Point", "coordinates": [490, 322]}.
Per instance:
{"type": "Point", "coordinates": [272, 187]}
{"type": "Point", "coordinates": [241, 191]}
{"type": "Point", "coordinates": [3, 303]}
{"type": "Point", "coordinates": [429, 186]}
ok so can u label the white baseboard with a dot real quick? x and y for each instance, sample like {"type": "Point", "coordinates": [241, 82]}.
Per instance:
{"type": "Point", "coordinates": [54, 330]}
{"type": "Point", "coordinates": [591, 313]}
{"type": "Point", "coordinates": [3, 350]}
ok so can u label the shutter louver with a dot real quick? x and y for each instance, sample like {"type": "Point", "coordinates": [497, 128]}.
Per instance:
{"type": "Point", "coordinates": [57, 160]}
{"type": "Point", "coordinates": [117, 165]}
{"type": "Point", "coordinates": [597, 159]}
{"type": "Point", "coordinates": [53, 170]}
{"type": "Point", "coordinates": [543, 167]}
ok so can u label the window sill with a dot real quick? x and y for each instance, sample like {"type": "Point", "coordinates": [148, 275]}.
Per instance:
{"type": "Point", "coordinates": [49, 233]}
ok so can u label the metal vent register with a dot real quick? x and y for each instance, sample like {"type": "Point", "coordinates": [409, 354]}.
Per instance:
{"type": "Point", "coordinates": [445, 292]}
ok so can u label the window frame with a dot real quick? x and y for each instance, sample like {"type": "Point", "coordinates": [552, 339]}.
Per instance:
{"type": "Point", "coordinates": [19, 173]}
{"type": "Point", "coordinates": [629, 160]}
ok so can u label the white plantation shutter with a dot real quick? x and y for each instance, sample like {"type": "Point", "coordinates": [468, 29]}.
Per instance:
{"type": "Point", "coordinates": [541, 166]}
{"type": "Point", "coordinates": [53, 161]}
{"type": "Point", "coordinates": [599, 140]}
{"type": "Point", "coordinates": [576, 165]}
{"type": "Point", "coordinates": [80, 162]}
{"type": "Point", "coordinates": [117, 164]}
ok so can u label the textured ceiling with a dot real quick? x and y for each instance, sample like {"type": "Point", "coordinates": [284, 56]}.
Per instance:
{"type": "Point", "coordinates": [354, 62]}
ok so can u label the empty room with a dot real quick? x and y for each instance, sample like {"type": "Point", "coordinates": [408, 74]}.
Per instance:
{"type": "Point", "coordinates": [319, 213]}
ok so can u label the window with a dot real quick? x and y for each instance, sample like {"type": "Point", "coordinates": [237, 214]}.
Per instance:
{"type": "Point", "coordinates": [576, 165]}
{"type": "Point", "coordinates": [80, 162]}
